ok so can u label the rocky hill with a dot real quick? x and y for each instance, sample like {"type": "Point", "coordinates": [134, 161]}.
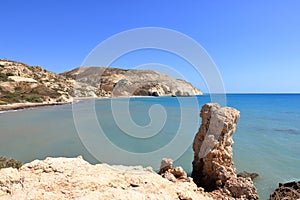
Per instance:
{"type": "Point", "coordinates": [120, 82]}
{"type": "Point", "coordinates": [21, 83]}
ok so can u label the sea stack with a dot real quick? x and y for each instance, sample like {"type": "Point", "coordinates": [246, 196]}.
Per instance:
{"type": "Point", "coordinates": [213, 166]}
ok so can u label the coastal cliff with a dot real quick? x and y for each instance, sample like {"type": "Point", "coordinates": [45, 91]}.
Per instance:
{"type": "Point", "coordinates": [21, 83]}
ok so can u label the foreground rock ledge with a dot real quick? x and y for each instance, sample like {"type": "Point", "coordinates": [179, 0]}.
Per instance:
{"type": "Point", "coordinates": [74, 178]}
{"type": "Point", "coordinates": [213, 166]}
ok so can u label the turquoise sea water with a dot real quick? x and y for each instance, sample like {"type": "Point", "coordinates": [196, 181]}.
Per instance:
{"type": "Point", "coordinates": [267, 140]}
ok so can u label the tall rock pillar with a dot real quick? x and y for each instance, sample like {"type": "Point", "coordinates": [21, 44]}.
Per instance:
{"type": "Point", "coordinates": [213, 166]}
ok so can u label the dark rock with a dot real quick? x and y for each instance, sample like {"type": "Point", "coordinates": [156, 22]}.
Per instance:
{"type": "Point", "coordinates": [245, 174]}
{"type": "Point", "coordinates": [287, 191]}
{"type": "Point", "coordinates": [178, 172]}
{"type": "Point", "coordinates": [155, 94]}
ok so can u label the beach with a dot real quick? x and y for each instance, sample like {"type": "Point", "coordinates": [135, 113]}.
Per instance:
{"type": "Point", "coordinates": [19, 106]}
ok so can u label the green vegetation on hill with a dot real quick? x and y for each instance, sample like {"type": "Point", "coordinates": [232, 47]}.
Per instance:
{"type": "Point", "coordinates": [23, 93]}
{"type": "Point", "coordinates": [31, 84]}
{"type": "Point", "coordinates": [4, 77]}
{"type": "Point", "coordinates": [19, 96]}
{"type": "Point", "coordinates": [6, 163]}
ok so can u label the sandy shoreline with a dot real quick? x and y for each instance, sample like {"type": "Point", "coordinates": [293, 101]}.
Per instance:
{"type": "Point", "coordinates": [20, 106]}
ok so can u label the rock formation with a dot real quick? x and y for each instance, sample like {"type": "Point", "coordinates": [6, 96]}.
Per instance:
{"type": "Point", "coordinates": [213, 167]}
{"type": "Point", "coordinates": [120, 82]}
{"type": "Point", "coordinates": [288, 191]}
{"type": "Point", "coordinates": [165, 165]}
{"type": "Point", "coordinates": [172, 174]}
{"type": "Point", "coordinates": [74, 178]}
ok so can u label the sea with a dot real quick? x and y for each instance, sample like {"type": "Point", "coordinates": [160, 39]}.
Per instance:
{"type": "Point", "coordinates": [143, 130]}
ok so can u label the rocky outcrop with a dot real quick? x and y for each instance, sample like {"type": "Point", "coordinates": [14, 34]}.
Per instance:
{"type": "Point", "coordinates": [172, 174]}
{"type": "Point", "coordinates": [288, 191]}
{"type": "Point", "coordinates": [74, 178]}
{"type": "Point", "coordinates": [213, 162]}
{"type": "Point", "coordinates": [213, 166]}
{"type": "Point", "coordinates": [120, 82]}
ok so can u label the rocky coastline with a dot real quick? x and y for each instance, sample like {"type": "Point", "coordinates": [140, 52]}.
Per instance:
{"type": "Point", "coordinates": [23, 86]}
{"type": "Point", "coordinates": [214, 175]}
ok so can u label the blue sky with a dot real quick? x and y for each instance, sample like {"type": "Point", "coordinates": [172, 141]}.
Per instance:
{"type": "Point", "coordinates": [255, 44]}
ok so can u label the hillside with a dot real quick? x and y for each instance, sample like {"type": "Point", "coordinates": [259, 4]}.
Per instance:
{"type": "Point", "coordinates": [120, 82]}
{"type": "Point", "coordinates": [21, 83]}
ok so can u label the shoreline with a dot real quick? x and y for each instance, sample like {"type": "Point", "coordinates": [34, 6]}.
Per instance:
{"type": "Point", "coordinates": [22, 106]}
{"type": "Point", "coordinates": [27, 105]}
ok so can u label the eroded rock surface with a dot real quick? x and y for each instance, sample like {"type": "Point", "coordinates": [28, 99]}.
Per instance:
{"type": "Point", "coordinates": [74, 178]}
{"type": "Point", "coordinates": [213, 166]}
{"type": "Point", "coordinates": [213, 162]}
{"type": "Point", "coordinates": [165, 165]}
{"type": "Point", "coordinates": [172, 174]}
{"type": "Point", "coordinates": [288, 191]}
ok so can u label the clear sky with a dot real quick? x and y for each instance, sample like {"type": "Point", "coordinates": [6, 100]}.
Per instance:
{"type": "Point", "coordinates": [255, 44]}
